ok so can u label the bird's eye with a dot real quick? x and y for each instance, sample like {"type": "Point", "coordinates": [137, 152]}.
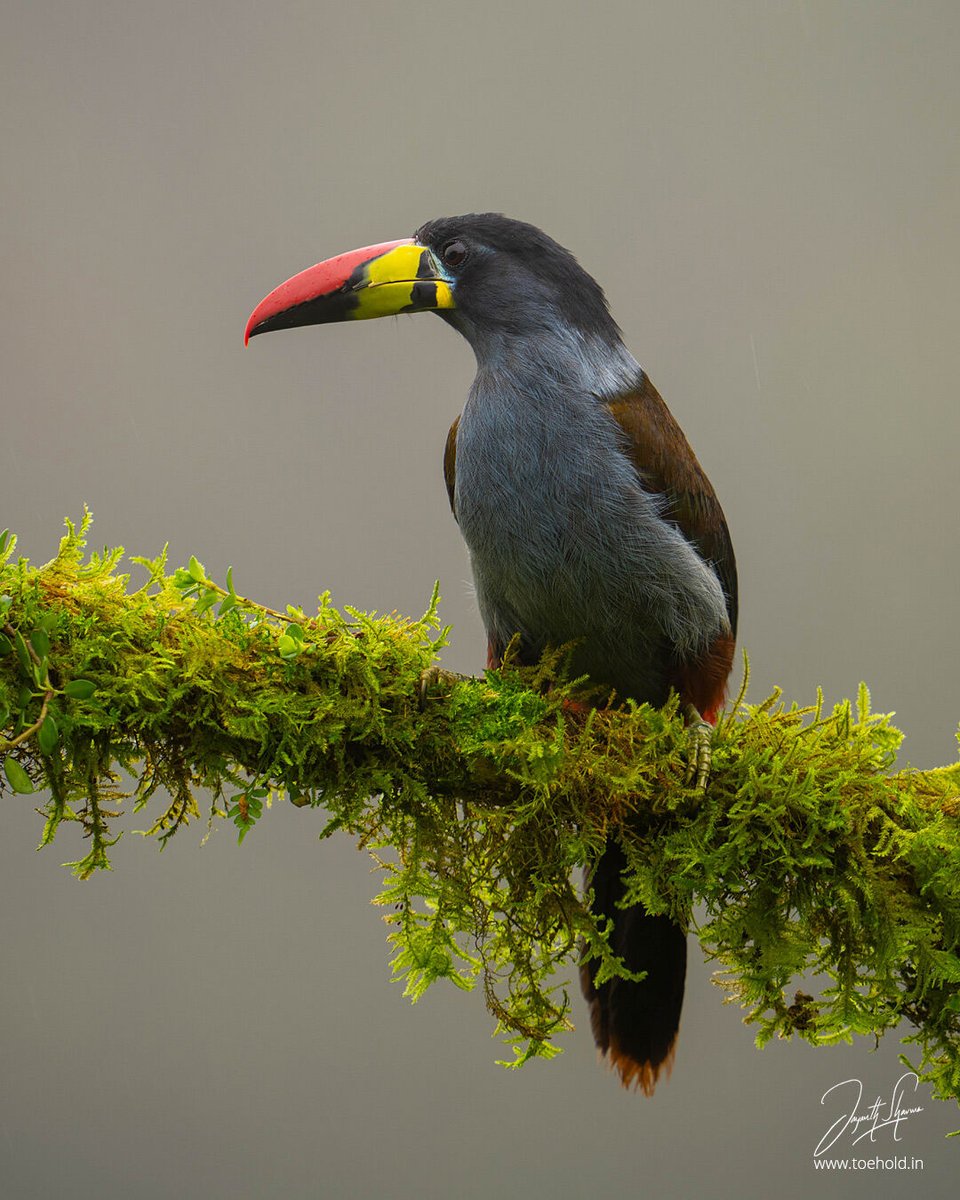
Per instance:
{"type": "Point", "coordinates": [454, 253]}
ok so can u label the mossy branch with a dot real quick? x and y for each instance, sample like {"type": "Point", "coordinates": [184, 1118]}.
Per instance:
{"type": "Point", "coordinates": [807, 854]}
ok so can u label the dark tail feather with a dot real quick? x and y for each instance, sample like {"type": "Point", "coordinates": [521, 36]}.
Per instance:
{"type": "Point", "coordinates": [635, 1024]}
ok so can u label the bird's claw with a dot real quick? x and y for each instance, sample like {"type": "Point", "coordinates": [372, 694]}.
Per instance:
{"type": "Point", "coordinates": [434, 677]}
{"type": "Point", "coordinates": [701, 748]}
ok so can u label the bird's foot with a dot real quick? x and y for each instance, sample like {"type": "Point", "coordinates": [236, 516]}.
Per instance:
{"type": "Point", "coordinates": [701, 747]}
{"type": "Point", "coordinates": [432, 679]}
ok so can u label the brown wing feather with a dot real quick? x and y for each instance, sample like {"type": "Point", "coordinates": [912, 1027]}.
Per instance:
{"type": "Point", "coordinates": [666, 464]}
{"type": "Point", "coordinates": [450, 463]}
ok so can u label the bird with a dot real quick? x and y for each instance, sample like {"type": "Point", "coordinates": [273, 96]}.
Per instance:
{"type": "Point", "coordinates": [588, 520]}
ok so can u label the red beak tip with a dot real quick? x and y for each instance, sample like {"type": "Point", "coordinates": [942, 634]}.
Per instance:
{"type": "Point", "coordinates": [320, 280]}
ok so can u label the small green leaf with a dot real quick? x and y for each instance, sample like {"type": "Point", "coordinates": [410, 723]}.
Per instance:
{"type": "Point", "coordinates": [6, 646]}
{"type": "Point", "coordinates": [17, 777]}
{"type": "Point", "coordinates": [287, 646]}
{"type": "Point", "coordinates": [23, 653]}
{"type": "Point", "coordinates": [230, 582]}
{"type": "Point", "coordinates": [295, 631]}
{"type": "Point", "coordinates": [207, 600]}
{"type": "Point", "coordinates": [48, 735]}
{"type": "Point", "coordinates": [48, 622]}
{"type": "Point", "coordinates": [40, 643]}
{"type": "Point", "coordinates": [79, 689]}
{"type": "Point", "coordinates": [195, 569]}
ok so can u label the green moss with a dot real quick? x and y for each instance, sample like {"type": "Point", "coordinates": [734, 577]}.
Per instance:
{"type": "Point", "coordinates": [808, 854]}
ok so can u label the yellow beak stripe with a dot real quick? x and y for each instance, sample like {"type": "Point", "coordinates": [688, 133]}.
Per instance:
{"type": "Point", "coordinates": [402, 280]}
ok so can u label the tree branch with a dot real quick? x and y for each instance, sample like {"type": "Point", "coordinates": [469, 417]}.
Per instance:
{"type": "Point", "coordinates": [807, 854]}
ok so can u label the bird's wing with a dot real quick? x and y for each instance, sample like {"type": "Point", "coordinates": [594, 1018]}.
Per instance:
{"type": "Point", "coordinates": [450, 464]}
{"type": "Point", "coordinates": [666, 465]}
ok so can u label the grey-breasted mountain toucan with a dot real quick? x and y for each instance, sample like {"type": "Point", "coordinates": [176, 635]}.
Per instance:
{"type": "Point", "coordinates": [587, 516]}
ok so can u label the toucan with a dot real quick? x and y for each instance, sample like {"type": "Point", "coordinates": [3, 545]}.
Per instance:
{"type": "Point", "coordinates": [588, 519]}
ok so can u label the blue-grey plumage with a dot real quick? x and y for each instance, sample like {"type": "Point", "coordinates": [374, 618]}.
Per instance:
{"type": "Point", "coordinates": [566, 543]}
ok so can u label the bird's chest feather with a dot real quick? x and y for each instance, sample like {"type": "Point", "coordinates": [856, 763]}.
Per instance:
{"type": "Point", "coordinates": [548, 505]}
{"type": "Point", "coordinates": [566, 544]}
{"type": "Point", "coordinates": [536, 490]}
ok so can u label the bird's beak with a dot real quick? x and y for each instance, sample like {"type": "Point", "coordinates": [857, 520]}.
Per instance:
{"type": "Point", "coordinates": [375, 281]}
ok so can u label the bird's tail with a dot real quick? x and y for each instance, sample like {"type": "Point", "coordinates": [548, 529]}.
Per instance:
{"type": "Point", "coordinates": [635, 1024]}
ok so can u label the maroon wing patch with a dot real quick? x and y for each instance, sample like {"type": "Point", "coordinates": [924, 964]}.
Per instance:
{"type": "Point", "coordinates": [450, 463]}
{"type": "Point", "coordinates": [666, 465]}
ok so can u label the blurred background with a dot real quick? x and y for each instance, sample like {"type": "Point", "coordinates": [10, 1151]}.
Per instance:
{"type": "Point", "coordinates": [769, 194]}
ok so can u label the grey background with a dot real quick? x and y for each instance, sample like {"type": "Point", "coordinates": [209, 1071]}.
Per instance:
{"type": "Point", "coordinates": [769, 193]}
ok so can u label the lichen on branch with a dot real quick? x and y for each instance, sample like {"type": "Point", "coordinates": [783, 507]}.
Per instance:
{"type": "Point", "coordinates": [808, 854]}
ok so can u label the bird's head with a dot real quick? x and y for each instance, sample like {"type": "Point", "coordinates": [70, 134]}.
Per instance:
{"type": "Point", "coordinates": [489, 276]}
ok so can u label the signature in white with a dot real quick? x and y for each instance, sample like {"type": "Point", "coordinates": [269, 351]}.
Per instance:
{"type": "Point", "coordinates": [865, 1122]}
